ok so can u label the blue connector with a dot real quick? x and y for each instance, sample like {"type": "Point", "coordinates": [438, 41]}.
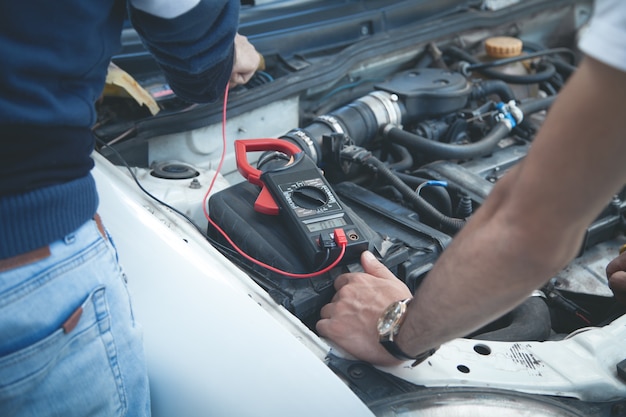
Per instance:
{"type": "Point", "coordinates": [436, 183]}
{"type": "Point", "coordinates": [509, 114]}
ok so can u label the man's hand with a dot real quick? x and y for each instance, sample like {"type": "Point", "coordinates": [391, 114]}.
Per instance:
{"type": "Point", "coordinates": [616, 273]}
{"type": "Point", "coordinates": [247, 61]}
{"type": "Point", "coordinates": [350, 319]}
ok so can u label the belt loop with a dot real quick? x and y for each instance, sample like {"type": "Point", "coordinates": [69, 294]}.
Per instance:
{"type": "Point", "coordinates": [100, 225]}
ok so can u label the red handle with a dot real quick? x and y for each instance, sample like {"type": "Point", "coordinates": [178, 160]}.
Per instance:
{"type": "Point", "coordinates": [243, 146]}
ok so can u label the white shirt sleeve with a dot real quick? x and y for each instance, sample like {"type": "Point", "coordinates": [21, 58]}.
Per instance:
{"type": "Point", "coordinates": [167, 9]}
{"type": "Point", "coordinates": [605, 38]}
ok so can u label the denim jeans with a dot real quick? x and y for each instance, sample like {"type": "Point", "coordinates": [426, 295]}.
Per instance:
{"type": "Point", "coordinates": [69, 345]}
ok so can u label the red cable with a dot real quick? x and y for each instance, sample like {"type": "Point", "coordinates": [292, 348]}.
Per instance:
{"type": "Point", "coordinates": [583, 318]}
{"type": "Point", "coordinates": [280, 271]}
{"type": "Point", "coordinates": [339, 234]}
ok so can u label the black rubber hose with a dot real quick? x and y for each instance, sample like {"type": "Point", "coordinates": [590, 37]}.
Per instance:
{"type": "Point", "coordinates": [402, 156]}
{"type": "Point", "coordinates": [439, 150]}
{"type": "Point", "coordinates": [545, 70]}
{"type": "Point", "coordinates": [563, 67]}
{"type": "Point", "coordinates": [486, 88]}
{"type": "Point", "coordinates": [522, 57]}
{"type": "Point", "coordinates": [528, 322]}
{"type": "Point", "coordinates": [536, 105]}
{"type": "Point", "coordinates": [431, 215]}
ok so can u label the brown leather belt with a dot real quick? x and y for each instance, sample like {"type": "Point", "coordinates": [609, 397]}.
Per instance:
{"type": "Point", "coordinates": [40, 253]}
{"type": "Point", "coordinates": [100, 225]}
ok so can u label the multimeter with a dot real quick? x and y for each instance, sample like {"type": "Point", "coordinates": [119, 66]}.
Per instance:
{"type": "Point", "coordinates": [301, 194]}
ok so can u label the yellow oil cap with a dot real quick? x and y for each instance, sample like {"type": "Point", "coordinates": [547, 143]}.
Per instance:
{"type": "Point", "coordinates": [503, 47]}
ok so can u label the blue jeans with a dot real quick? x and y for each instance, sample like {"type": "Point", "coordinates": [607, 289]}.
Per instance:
{"type": "Point", "coordinates": [69, 345]}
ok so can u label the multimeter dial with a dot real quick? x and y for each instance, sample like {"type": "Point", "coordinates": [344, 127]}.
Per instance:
{"type": "Point", "coordinates": [309, 197]}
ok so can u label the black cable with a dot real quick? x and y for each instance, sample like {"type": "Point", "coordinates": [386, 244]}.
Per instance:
{"type": "Point", "coordinates": [545, 70]}
{"type": "Point", "coordinates": [432, 216]}
{"type": "Point", "coordinates": [322, 264]}
{"type": "Point", "coordinates": [439, 196]}
{"type": "Point", "coordinates": [212, 241]}
{"type": "Point", "coordinates": [524, 57]}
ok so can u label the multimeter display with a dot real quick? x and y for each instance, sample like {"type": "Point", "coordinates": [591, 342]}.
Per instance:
{"type": "Point", "coordinates": [326, 224]}
{"type": "Point", "coordinates": [311, 209]}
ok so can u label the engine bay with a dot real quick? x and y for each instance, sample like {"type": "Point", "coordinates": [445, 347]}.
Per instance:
{"type": "Point", "coordinates": [411, 119]}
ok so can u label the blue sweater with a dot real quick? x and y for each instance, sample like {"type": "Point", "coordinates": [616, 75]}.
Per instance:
{"type": "Point", "coordinates": [54, 61]}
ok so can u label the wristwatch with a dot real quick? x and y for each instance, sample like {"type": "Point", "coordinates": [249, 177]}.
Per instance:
{"type": "Point", "coordinates": [388, 327]}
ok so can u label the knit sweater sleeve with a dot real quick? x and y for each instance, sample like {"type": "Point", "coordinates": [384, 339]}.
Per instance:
{"type": "Point", "coordinates": [192, 43]}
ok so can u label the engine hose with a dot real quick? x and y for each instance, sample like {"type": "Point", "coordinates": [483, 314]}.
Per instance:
{"type": "Point", "coordinates": [528, 322]}
{"type": "Point", "coordinates": [536, 105]}
{"type": "Point", "coordinates": [432, 216]}
{"type": "Point", "coordinates": [563, 67]}
{"type": "Point", "coordinates": [439, 150]}
{"type": "Point", "coordinates": [548, 88]}
{"type": "Point", "coordinates": [359, 120]}
{"type": "Point", "coordinates": [402, 157]}
{"type": "Point", "coordinates": [486, 88]}
{"type": "Point", "coordinates": [545, 70]}
{"type": "Point", "coordinates": [522, 57]}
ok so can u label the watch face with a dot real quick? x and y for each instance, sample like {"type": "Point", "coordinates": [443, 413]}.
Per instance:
{"type": "Point", "coordinates": [389, 321]}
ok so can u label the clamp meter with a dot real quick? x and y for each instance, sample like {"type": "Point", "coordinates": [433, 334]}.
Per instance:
{"type": "Point", "coordinates": [301, 194]}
